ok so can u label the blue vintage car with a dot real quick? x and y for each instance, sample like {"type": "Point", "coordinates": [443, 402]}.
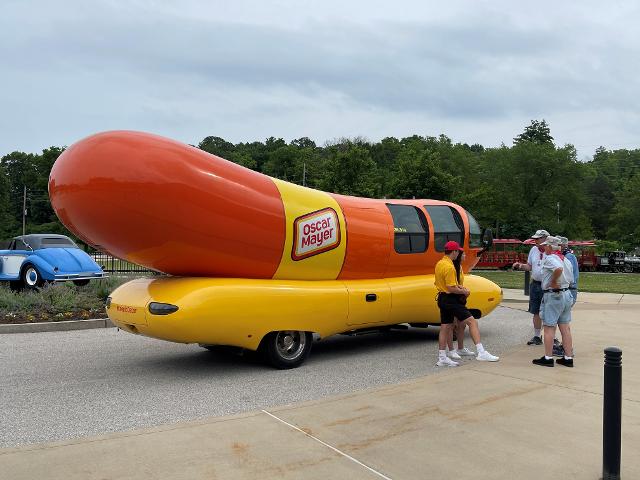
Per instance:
{"type": "Point", "coordinates": [32, 260]}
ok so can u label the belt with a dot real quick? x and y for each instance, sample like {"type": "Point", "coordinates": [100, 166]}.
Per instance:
{"type": "Point", "coordinates": [573, 288]}
{"type": "Point", "coordinates": [536, 281]}
{"type": "Point", "coordinates": [555, 290]}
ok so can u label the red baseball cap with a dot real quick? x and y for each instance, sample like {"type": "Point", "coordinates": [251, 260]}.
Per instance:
{"type": "Point", "coordinates": [451, 245]}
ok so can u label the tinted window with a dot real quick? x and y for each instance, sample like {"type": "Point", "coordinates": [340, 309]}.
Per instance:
{"type": "Point", "coordinates": [57, 242]}
{"type": "Point", "coordinates": [19, 245]}
{"type": "Point", "coordinates": [410, 229]}
{"type": "Point", "coordinates": [447, 225]}
{"type": "Point", "coordinates": [475, 233]}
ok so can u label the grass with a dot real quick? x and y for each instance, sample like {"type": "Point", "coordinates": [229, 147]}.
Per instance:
{"type": "Point", "coordinates": [57, 301]}
{"type": "Point", "coordinates": [589, 282]}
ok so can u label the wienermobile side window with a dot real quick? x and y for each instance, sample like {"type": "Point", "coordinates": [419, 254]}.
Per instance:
{"type": "Point", "coordinates": [447, 225]}
{"type": "Point", "coordinates": [475, 232]}
{"type": "Point", "coordinates": [410, 227]}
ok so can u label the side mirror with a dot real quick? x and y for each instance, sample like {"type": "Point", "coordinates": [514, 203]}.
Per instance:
{"type": "Point", "coordinates": [487, 238]}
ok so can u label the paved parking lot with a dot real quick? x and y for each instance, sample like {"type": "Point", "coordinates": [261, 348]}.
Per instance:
{"type": "Point", "coordinates": [63, 385]}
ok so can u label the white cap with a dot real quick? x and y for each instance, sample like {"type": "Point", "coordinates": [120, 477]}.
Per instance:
{"type": "Point", "coordinates": [540, 234]}
{"type": "Point", "coordinates": [553, 242]}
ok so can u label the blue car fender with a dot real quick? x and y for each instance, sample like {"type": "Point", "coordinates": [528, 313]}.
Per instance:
{"type": "Point", "coordinates": [46, 270]}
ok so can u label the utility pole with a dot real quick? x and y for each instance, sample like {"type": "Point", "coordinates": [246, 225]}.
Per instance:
{"type": "Point", "coordinates": [24, 207]}
{"type": "Point", "coordinates": [558, 205]}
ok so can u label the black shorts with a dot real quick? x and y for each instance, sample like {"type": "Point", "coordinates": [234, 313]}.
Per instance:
{"type": "Point", "coordinates": [452, 305]}
{"type": "Point", "coordinates": [535, 297]}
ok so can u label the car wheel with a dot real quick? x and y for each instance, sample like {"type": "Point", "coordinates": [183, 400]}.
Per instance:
{"type": "Point", "coordinates": [81, 283]}
{"type": "Point", "coordinates": [31, 277]}
{"type": "Point", "coordinates": [287, 348]}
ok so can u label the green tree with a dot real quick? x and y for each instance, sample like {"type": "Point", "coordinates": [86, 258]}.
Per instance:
{"type": "Point", "coordinates": [284, 163]}
{"type": "Point", "coordinates": [21, 172]}
{"type": "Point", "coordinates": [420, 174]}
{"type": "Point", "coordinates": [350, 170]}
{"type": "Point", "coordinates": [538, 132]}
{"type": "Point", "coordinates": [217, 146]}
{"type": "Point", "coordinates": [38, 197]}
{"type": "Point", "coordinates": [7, 221]}
{"type": "Point", "coordinates": [625, 218]}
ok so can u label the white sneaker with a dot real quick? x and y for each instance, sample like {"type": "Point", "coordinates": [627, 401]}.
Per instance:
{"type": "Point", "coordinates": [453, 354]}
{"type": "Point", "coordinates": [465, 352]}
{"type": "Point", "coordinates": [487, 357]}
{"type": "Point", "coordinates": [446, 362]}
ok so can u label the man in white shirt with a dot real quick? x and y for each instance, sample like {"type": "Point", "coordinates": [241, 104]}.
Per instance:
{"type": "Point", "coordinates": [534, 265]}
{"type": "Point", "coordinates": [557, 301]}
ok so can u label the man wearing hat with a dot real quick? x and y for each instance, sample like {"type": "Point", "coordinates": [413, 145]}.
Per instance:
{"type": "Point", "coordinates": [534, 265]}
{"type": "Point", "coordinates": [557, 301]}
{"type": "Point", "coordinates": [568, 254]}
{"type": "Point", "coordinates": [452, 297]}
{"type": "Point", "coordinates": [558, 349]}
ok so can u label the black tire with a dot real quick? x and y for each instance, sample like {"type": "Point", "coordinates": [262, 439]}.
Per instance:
{"type": "Point", "coordinates": [287, 348]}
{"type": "Point", "coordinates": [30, 276]}
{"type": "Point", "coordinates": [81, 283]}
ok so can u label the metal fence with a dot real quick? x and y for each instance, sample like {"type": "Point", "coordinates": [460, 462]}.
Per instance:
{"type": "Point", "coordinates": [115, 265]}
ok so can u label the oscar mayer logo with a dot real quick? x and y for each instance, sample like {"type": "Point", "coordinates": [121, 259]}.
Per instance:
{"type": "Point", "coordinates": [315, 233]}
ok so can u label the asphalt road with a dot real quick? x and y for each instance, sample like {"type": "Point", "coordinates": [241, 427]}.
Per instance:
{"type": "Point", "coordinates": [63, 385]}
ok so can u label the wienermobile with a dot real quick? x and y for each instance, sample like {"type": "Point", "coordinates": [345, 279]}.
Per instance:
{"type": "Point", "coordinates": [253, 261]}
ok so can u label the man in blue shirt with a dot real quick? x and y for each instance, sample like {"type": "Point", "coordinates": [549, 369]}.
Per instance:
{"type": "Point", "coordinates": [568, 254]}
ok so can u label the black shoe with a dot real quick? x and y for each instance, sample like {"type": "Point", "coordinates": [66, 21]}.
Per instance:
{"type": "Point", "coordinates": [567, 362]}
{"type": "Point", "coordinates": [558, 351]}
{"type": "Point", "coordinates": [535, 341]}
{"type": "Point", "coordinates": [543, 362]}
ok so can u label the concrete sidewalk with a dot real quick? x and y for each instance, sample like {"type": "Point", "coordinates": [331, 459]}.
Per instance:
{"type": "Point", "coordinates": [494, 421]}
{"type": "Point", "coordinates": [517, 296]}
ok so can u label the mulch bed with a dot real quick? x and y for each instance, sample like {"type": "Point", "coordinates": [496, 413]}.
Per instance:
{"type": "Point", "coordinates": [15, 318]}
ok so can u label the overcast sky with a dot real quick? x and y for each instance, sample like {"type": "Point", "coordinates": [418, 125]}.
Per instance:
{"type": "Point", "coordinates": [245, 70]}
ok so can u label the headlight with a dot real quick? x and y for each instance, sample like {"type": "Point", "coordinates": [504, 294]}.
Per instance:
{"type": "Point", "coordinates": [162, 308]}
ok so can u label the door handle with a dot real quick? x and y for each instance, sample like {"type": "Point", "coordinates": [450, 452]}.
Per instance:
{"type": "Point", "coordinates": [371, 297]}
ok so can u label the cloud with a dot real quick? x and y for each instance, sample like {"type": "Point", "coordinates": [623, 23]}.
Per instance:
{"type": "Point", "coordinates": [247, 69]}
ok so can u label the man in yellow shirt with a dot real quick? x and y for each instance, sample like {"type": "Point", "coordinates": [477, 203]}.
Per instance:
{"type": "Point", "coordinates": [452, 300]}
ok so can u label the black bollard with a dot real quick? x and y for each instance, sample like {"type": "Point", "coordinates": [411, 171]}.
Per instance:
{"type": "Point", "coordinates": [527, 275]}
{"type": "Point", "coordinates": [612, 413]}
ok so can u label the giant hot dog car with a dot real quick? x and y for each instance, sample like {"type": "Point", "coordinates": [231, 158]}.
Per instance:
{"type": "Point", "coordinates": [253, 261]}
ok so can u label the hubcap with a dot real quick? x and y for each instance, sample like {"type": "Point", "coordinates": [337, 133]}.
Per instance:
{"type": "Point", "coordinates": [31, 277]}
{"type": "Point", "coordinates": [290, 344]}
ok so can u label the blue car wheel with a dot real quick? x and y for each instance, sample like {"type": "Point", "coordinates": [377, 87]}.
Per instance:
{"type": "Point", "coordinates": [31, 277]}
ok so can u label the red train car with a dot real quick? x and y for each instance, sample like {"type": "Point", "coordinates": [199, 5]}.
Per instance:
{"type": "Point", "coordinates": [585, 252]}
{"type": "Point", "coordinates": [503, 253]}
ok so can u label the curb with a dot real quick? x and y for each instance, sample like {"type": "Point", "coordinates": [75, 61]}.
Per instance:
{"type": "Point", "coordinates": [56, 326]}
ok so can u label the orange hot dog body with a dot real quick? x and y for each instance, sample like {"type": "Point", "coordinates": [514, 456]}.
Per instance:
{"type": "Point", "coordinates": [179, 210]}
